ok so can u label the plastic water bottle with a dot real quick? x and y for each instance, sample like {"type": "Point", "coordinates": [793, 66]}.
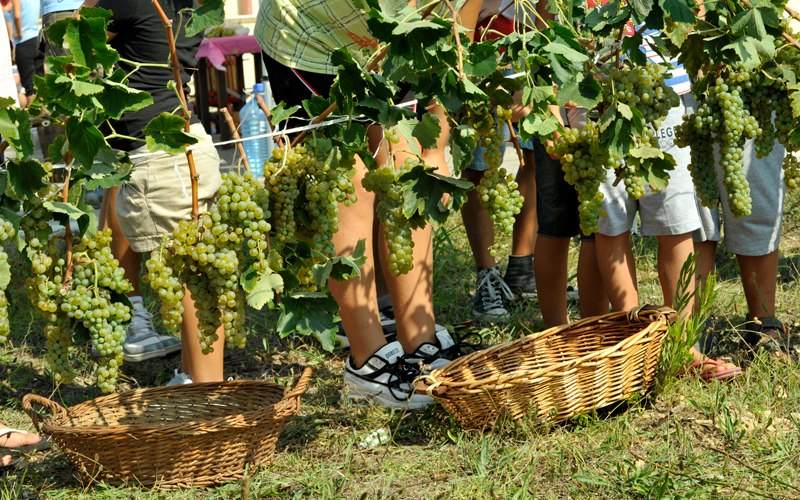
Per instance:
{"type": "Point", "coordinates": [253, 123]}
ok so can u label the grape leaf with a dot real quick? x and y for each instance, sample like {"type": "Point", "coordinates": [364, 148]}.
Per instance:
{"type": "Point", "coordinates": [646, 152]}
{"type": "Point", "coordinates": [280, 113]}
{"type": "Point", "coordinates": [582, 91]}
{"type": "Point", "coordinates": [794, 97]}
{"type": "Point", "coordinates": [261, 287]}
{"type": "Point", "coordinates": [26, 176]}
{"type": "Point", "coordinates": [624, 110]}
{"type": "Point", "coordinates": [110, 169]}
{"type": "Point", "coordinates": [423, 190]}
{"type": "Point", "coordinates": [88, 223]}
{"type": "Point", "coordinates": [85, 141]}
{"type": "Point", "coordinates": [642, 8]}
{"type": "Point", "coordinates": [166, 133]}
{"type": "Point", "coordinates": [118, 99]}
{"type": "Point", "coordinates": [83, 88]}
{"type": "Point", "coordinates": [680, 11]}
{"type": "Point", "coordinates": [210, 14]}
{"type": "Point", "coordinates": [309, 314]}
{"type": "Point", "coordinates": [61, 207]}
{"type": "Point", "coordinates": [340, 268]}
{"type": "Point", "coordinates": [427, 130]}
{"type": "Point", "coordinates": [558, 47]}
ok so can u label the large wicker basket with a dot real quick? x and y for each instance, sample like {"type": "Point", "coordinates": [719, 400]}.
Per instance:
{"type": "Point", "coordinates": [171, 437]}
{"type": "Point", "coordinates": [555, 374]}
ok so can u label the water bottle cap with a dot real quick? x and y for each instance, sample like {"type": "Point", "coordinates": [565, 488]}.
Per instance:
{"type": "Point", "coordinates": [258, 88]}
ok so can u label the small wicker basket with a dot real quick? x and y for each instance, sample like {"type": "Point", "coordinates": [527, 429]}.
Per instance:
{"type": "Point", "coordinates": [555, 374]}
{"type": "Point", "coordinates": [193, 435]}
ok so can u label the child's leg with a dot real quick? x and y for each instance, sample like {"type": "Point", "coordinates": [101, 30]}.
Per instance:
{"type": "Point", "coordinates": [673, 251]}
{"type": "Point", "coordinates": [759, 282]}
{"type": "Point", "coordinates": [616, 265]}
{"type": "Point", "coordinates": [551, 278]}
{"type": "Point", "coordinates": [705, 254]}
{"type": "Point", "coordinates": [477, 223]}
{"type": "Point", "coordinates": [593, 299]}
{"type": "Point", "coordinates": [129, 260]}
{"type": "Point", "coordinates": [526, 225]}
{"type": "Point", "coordinates": [200, 367]}
{"type": "Point", "coordinates": [357, 299]}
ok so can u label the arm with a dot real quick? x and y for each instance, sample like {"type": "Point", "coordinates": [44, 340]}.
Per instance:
{"type": "Point", "coordinates": [17, 6]}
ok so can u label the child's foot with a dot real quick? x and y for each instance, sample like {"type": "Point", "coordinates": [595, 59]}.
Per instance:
{"type": "Point", "coordinates": [771, 336]}
{"type": "Point", "coordinates": [179, 378]}
{"type": "Point", "coordinates": [385, 379]}
{"type": "Point", "coordinates": [15, 441]}
{"type": "Point", "coordinates": [434, 355]}
{"type": "Point", "coordinates": [491, 296]}
{"type": "Point", "coordinates": [520, 277]}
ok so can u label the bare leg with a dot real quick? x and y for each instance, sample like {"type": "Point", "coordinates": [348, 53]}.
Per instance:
{"type": "Point", "coordinates": [673, 251]}
{"type": "Point", "coordinates": [593, 298]}
{"type": "Point", "coordinates": [759, 278]}
{"type": "Point", "coordinates": [412, 293]}
{"type": "Point", "coordinates": [478, 224]}
{"type": "Point", "coordinates": [526, 225]}
{"type": "Point", "coordinates": [705, 257]}
{"type": "Point", "coordinates": [615, 262]}
{"type": "Point", "coordinates": [358, 304]}
{"type": "Point", "coordinates": [130, 261]}
{"type": "Point", "coordinates": [200, 367]}
{"type": "Point", "coordinates": [551, 278]}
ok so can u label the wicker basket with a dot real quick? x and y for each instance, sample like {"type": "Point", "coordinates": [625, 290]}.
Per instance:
{"type": "Point", "coordinates": [193, 435]}
{"type": "Point", "coordinates": [555, 374]}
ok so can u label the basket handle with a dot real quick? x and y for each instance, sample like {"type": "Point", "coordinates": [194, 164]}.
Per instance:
{"type": "Point", "coordinates": [301, 386]}
{"type": "Point", "coordinates": [28, 406]}
{"type": "Point", "coordinates": [651, 313]}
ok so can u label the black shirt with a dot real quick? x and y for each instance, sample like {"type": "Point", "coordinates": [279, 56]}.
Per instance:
{"type": "Point", "coordinates": [140, 36]}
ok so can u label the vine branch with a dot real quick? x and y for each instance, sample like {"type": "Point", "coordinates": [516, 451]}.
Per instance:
{"type": "Point", "coordinates": [235, 133]}
{"type": "Point", "coordinates": [265, 109]}
{"type": "Point", "coordinates": [187, 114]}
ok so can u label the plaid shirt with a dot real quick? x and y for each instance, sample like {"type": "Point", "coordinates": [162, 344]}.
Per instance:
{"type": "Point", "coordinates": [302, 34]}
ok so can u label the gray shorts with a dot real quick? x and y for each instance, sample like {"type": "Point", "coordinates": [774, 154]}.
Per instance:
{"type": "Point", "coordinates": [760, 232]}
{"type": "Point", "coordinates": [671, 211]}
{"type": "Point", "coordinates": [158, 194]}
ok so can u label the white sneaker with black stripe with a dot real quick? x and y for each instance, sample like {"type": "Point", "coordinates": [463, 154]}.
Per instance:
{"type": "Point", "coordinates": [431, 356]}
{"type": "Point", "coordinates": [385, 379]}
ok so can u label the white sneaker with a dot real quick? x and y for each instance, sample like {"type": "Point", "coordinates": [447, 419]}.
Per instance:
{"type": "Point", "coordinates": [179, 378]}
{"type": "Point", "coordinates": [432, 356]}
{"type": "Point", "coordinates": [385, 379]}
{"type": "Point", "coordinates": [143, 342]}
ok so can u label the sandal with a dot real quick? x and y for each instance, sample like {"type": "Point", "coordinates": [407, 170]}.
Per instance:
{"type": "Point", "coordinates": [771, 336]}
{"type": "Point", "coordinates": [709, 369]}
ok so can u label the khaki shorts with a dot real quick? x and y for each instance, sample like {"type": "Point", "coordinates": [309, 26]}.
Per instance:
{"type": "Point", "coordinates": [159, 193]}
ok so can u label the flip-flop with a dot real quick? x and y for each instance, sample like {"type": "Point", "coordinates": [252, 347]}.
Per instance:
{"type": "Point", "coordinates": [771, 336]}
{"type": "Point", "coordinates": [709, 369]}
{"type": "Point", "coordinates": [43, 443]}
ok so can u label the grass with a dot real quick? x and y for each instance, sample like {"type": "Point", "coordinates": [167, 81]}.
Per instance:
{"type": "Point", "coordinates": [695, 440]}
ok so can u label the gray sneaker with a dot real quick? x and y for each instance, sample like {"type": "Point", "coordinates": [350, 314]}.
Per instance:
{"type": "Point", "coordinates": [491, 296]}
{"type": "Point", "coordinates": [143, 342]}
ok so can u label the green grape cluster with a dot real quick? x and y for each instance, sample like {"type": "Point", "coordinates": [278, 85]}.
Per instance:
{"type": "Point", "coordinates": [497, 189]}
{"type": "Point", "coordinates": [306, 185]}
{"type": "Point", "coordinates": [791, 172]}
{"type": "Point", "coordinates": [86, 295]}
{"type": "Point", "coordinates": [721, 118]}
{"type": "Point", "coordinates": [397, 230]}
{"type": "Point", "coordinates": [7, 232]}
{"type": "Point", "coordinates": [631, 171]}
{"type": "Point", "coordinates": [644, 88]}
{"type": "Point", "coordinates": [585, 163]}
{"type": "Point", "coordinates": [209, 256]}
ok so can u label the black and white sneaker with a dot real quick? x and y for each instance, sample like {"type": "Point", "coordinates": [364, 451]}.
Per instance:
{"type": "Point", "coordinates": [434, 355]}
{"type": "Point", "coordinates": [520, 276]}
{"type": "Point", "coordinates": [385, 379]}
{"type": "Point", "coordinates": [491, 296]}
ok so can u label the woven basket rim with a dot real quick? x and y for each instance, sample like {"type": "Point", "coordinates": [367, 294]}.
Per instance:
{"type": "Point", "coordinates": [219, 423]}
{"type": "Point", "coordinates": [439, 387]}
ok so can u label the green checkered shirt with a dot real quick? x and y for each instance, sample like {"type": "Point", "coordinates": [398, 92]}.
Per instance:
{"type": "Point", "coordinates": [302, 34]}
